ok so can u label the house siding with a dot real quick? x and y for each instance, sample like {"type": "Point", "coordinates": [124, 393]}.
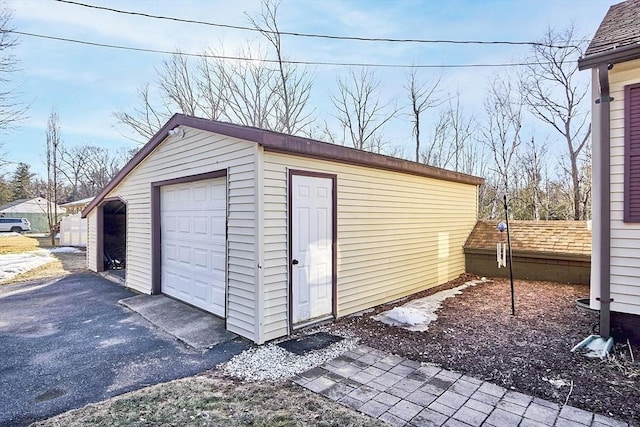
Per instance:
{"type": "Point", "coordinates": [397, 234]}
{"type": "Point", "coordinates": [92, 242]}
{"type": "Point", "coordinates": [625, 237]}
{"type": "Point", "coordinates": [198, 152]}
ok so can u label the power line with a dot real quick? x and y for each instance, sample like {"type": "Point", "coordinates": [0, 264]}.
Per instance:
{"type": "Point", "coordinates": [312, 35]}
{"type": "Point", "coordinates": [239, 58]}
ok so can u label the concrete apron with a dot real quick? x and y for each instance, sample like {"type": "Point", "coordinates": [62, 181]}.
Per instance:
{"type": "Point", "coordinates": [195, 328]}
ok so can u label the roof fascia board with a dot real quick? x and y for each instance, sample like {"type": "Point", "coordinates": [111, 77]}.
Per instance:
{"type": "Point", "coordinates": [613, 56]}
{"type": "Point", "coordinates": [558, 256]}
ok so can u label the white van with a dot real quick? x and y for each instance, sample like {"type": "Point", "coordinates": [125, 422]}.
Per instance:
{"type": "Point", "coordinates": [17, 225]}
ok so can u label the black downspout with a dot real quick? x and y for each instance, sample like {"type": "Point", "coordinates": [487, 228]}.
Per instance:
{"type": "Point", "coordinates": [605, 201]}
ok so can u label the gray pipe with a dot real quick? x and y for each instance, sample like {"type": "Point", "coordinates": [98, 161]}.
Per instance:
{"type": "Point", "coordinates": [605, 200]}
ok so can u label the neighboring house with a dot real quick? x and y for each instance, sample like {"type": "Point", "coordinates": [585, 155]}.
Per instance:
{"type": "Point", "coordinates": [273, 232]}
{"type": "Point", "coordinates": [73, 228]}
{"type": "Point", "coordinates": [558, 251]}
{"type": "Point", "coordinates": [614, 58]}
{"type": "Point", "coordinates": [76, 206]}
{"type": "Point", "coordinates": [35, 210]}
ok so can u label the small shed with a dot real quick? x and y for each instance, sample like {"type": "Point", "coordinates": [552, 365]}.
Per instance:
{"type": "Point", "coordinates": [273, 232]}
{"type": "Point", "coordinates": [34, 209]}
{"type": "Point", "coordinates": [558, 251]}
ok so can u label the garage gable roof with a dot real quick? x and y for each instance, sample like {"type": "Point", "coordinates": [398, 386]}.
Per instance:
{"type": "Point", "coordinates": [279, 142]}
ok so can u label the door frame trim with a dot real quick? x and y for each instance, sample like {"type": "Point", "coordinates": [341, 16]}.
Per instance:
{"type": "Point", "coordinates": [334, 238]}
{"type": "Point", "coordinates": [156, 241]}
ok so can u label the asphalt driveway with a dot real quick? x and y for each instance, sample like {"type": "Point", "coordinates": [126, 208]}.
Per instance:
{"type": "Point", "coordinates": [66, 344]}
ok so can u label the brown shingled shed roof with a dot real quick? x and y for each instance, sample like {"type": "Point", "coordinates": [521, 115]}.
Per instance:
{"type": "Point", "coordinates": [560, 237]}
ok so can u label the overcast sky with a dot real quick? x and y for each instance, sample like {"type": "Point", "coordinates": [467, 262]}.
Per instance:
{"type": "Point", "coordinates": [87, 84]}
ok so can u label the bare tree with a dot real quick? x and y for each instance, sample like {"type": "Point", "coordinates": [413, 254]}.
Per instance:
{"type": "Point", "coordinates": [553, 95]}
{"type": "Point", "coordinates": [145, 119]}
{"type": "Point", "coordinates": [452, 145]}
{"type": "Point", "coordinates": [436, 153]}
{"type": "Point", "coordinates": [501, 133]}
{"type": "Point", "coordinates": [293, 87]}
{"type": "Point", "coordinates": [53, 146]}
{"type": "Point", "coordinates": [72, 165]}
{"type": "Point", "coordinates": [247, 90]}
{"type": "Point", "coordinates": [178, 86]}
{"type": "Point", "coordinates": [11, 110]}
{"type": "Point", "coordinates": [423, 96]}
{"type": "Point", "coordinates": [210, 82]}
{"type": "Point", "coordinates": [530, 163]}
{"type": "Point", "coordinates": [101, 166]}
{"type": "Point", "coordinates": [359, 109]}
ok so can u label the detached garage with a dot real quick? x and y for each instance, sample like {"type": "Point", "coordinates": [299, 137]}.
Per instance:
{"type": "Point", "coordinates": [274, 232]}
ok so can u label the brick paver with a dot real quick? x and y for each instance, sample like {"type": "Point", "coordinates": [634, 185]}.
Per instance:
{"type": "Point", "coordinates": [402, 392]}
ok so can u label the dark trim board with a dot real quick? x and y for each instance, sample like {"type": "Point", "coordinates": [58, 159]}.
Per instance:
{"type": "Point", "coordinates": [334, 238]}
{"type": "Point", "coordinates": [611, 56]}
{"type": "Point", "coordinates": [631, 153]}
{"type": "Point", "coordinates": [156, 244]}
{"type": "Point", "coordinates": [100, 239]}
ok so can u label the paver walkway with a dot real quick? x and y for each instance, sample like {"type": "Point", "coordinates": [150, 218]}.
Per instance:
{"type": "Point", "coordinates": [401, 392]}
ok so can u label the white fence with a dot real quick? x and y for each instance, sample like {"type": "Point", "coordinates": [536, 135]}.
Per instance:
{"type": "Point", "coordinates": [73, 231]}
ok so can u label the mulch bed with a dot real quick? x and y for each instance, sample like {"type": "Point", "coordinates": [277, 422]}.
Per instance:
{"type": "Point", "coordinates": [476, 334]}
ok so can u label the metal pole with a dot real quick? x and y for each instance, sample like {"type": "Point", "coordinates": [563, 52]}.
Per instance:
{"type": "Point", "coordinates": [513, 298]}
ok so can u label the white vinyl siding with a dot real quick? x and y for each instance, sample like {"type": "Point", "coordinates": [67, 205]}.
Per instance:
{"type": "Point", "coordinates": [198, 152]}
{"type": "Point", "coordinates": [625, 237]}
{"type": "Point", "coordinates": [92, 227]}
{"type": "Point", "coordinates": [397, 234]}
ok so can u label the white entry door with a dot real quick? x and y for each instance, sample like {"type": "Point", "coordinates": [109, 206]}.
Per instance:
{"type": "Point", "coordinates": [193, 243]}
{"type": "Point", "coordinates": [312, 240]}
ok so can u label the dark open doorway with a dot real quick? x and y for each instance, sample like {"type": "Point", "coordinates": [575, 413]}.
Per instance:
{"type": "Point", "coordinates": [114, 236]}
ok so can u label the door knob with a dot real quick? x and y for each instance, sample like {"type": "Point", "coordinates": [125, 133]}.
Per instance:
{"type": "Point", "coordinates": [294, 262]}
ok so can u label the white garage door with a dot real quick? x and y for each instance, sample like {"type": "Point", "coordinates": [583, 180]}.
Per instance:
{"type": "Point", "coordinates": [193, 236]}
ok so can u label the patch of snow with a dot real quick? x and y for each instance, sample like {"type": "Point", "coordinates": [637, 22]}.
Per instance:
{"type": "Point", "coordinates": [13, 264]}
{"type": "Point", "coordinates": [10, 234]}
{"type": "Point", "coordinates": [65, 249]}
{"type": "Point", "coordinates": [271, 362]}
{"type": "Point", "coordinates": [556, 382]}
{"type": "Point", "coordinates": [418, 314]}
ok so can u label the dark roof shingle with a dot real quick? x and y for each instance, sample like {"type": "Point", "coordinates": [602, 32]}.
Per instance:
{"type": "Point", "coordinates": [619, 28]}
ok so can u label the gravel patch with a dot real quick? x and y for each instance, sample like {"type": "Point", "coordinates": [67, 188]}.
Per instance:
{"type": "Point", "coordinates": [271, 362]}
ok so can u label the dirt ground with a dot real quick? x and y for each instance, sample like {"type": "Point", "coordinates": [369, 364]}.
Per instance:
{"type": "Point", "coordinates": [476, 334]}
{"type": "Point", "coordinates": [214, 401]}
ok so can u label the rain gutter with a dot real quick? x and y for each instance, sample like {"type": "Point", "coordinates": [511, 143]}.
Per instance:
{"type": "Point", "coordinates": [605, 200]}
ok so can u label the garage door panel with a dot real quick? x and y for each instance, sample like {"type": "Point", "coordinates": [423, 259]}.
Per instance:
{"type": "Point", "coordinates": [169, 253]}
{"type": "Point", "coordinates": [200, 226]}
{"type": "Point", "coordinates": [184, 255]}
{"type": "Point", "coordinates": [200, 257]}
{"type": "Point", "coordinates": [193, 236]}
{"type": "Point", "coordinates": [184, 225]}
{"type": "Point", "coordinates": [217, 261]}
{"type": "Point", "coordinates": [184, 194]}
{"type": "Point", "coordinates": [169, 282]}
